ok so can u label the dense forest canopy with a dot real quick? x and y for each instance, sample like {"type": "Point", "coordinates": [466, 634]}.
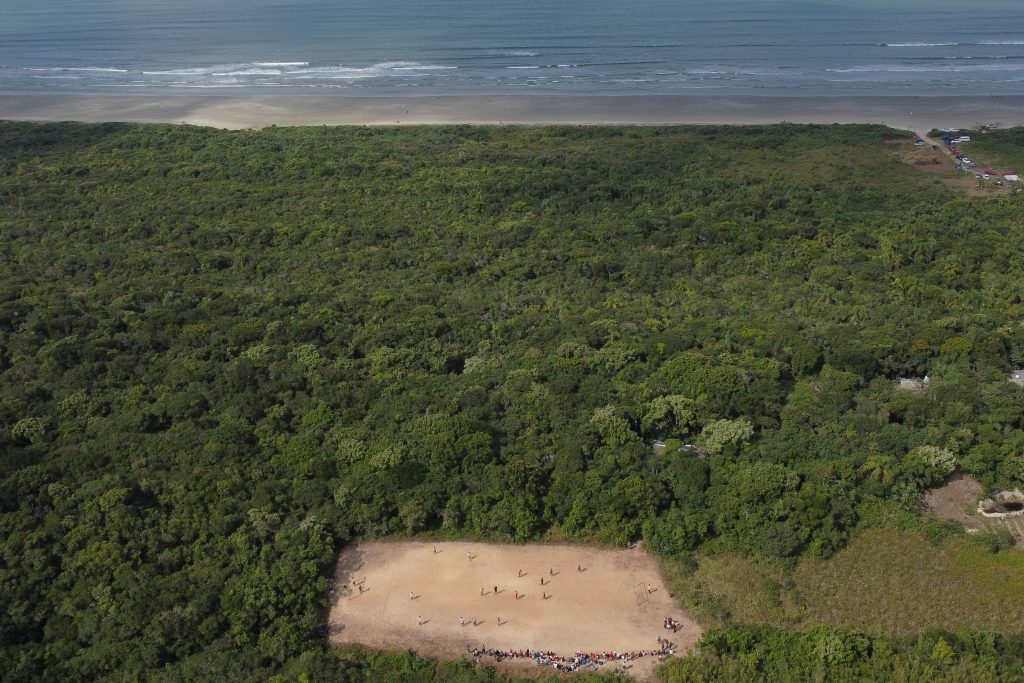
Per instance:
{"type": "Point", "coordinates": [225, 354]}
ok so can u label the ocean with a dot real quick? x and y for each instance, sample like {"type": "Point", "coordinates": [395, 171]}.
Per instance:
{"type": "Point", "coordinates": [431, 47]}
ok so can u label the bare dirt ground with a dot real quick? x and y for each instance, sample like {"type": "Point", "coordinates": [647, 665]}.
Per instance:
{"type": "Point", "coordinates": [414, 593]}
{"type": "Point", "coordinates": [958, 500]}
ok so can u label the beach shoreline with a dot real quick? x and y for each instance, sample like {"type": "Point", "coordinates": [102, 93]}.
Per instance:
{"type": "Point", "coordinates": [234, 111]}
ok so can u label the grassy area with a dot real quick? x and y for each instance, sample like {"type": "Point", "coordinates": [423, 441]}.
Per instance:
{"type": "Point", "coordinates": [1000, 149]}
{"type": "Point", "coordinates": [897, 582]}
{"type": "Point", "coordinates": [886, 581]}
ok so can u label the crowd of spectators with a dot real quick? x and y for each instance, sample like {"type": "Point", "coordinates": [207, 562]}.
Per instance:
{"type": "Point", "coordinates": [579, 660]}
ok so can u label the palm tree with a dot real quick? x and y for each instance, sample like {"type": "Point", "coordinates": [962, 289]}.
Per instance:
{"type": "Point", "coordinates": [881, 468]}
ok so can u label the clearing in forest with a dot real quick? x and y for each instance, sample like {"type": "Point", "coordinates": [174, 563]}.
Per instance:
{"type": "Point", "coordinates": [932, 158]}
{"type": "Point", "coordinates": [958, 499]}
{"type": "Point", "coordinates": [559, 598]}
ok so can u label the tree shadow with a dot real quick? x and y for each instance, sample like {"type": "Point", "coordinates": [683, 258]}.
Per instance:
{"type": "Point", "coordinates": [346, 578]}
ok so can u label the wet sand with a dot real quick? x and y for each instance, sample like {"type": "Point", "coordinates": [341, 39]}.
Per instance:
{"type": "Point", "coordinates": [241, 111]}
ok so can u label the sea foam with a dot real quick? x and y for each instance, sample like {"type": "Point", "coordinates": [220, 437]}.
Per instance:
{"type": "Point", "coordinates": [919, 44]}
{"type": "Point", "coordinates": [924, 68]}
{"type": "Point", "coordinates": [97, 69]}
{"type": "Point", "coordinates": [372, 71]}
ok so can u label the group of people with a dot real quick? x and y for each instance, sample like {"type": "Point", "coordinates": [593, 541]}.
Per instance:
{"type": "Point", "coordinates": [672, 624]}
{"type": "Point", "coordinates": [579, 660]}
{"type": "Point", "coordinates": [499, 655]}
{"type": "Point", "coordinates": [666, 646]}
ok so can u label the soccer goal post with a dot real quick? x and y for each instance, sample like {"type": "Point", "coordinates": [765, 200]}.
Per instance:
{"type": "Point", "coordinates": [642, 596]}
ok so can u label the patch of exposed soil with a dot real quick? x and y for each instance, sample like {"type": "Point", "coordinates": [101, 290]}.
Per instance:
{"type": "Point", "coordinates": [958, 500]}
{"type": "Point", "coordinates": [933, 158]}
{"type": "Point", "coordinates": [441, 599]}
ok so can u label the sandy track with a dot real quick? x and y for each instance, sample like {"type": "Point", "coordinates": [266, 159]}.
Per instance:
{"type": "Point", "coordinates": [590, 610]}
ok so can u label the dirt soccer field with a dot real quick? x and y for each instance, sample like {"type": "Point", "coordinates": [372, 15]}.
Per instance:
{"type": "Point", "coordinates": [411, 595]}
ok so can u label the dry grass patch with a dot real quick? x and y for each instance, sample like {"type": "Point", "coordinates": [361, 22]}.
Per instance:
{"type": "Point", "coordinates": [734, 588]}
{"type": "Point", "coordinates": [896, 582]}
{"type": "Point", "coordinates": [885, 582]}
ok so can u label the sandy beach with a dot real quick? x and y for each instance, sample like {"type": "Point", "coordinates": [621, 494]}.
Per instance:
{"type": "Point", "coordinates": [240, 111]}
